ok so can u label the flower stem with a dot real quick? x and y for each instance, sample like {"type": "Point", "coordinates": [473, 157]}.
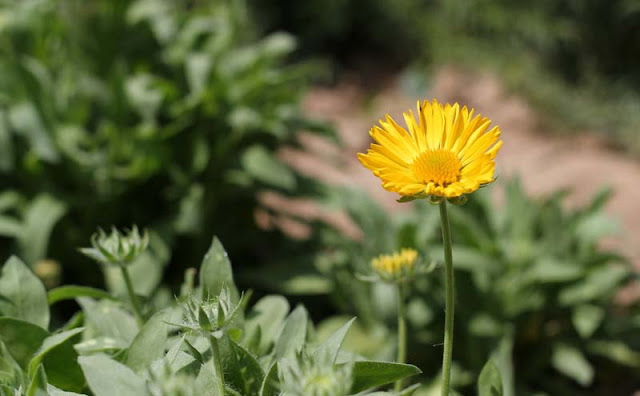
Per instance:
{"type": "Point", "coordinates": [402, 331]}
{"type": "Point", "coordinates": [217, 365]}
{"type": "Point", "coordinates": [449, 299]}
{"type": "Point", "coordinates": [132, 296]}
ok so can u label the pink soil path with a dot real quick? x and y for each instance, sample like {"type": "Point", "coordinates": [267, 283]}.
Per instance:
{"type": "Point", "coordinates": [545, 162]}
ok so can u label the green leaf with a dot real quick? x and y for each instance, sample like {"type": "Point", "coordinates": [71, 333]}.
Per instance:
{"type": "Point", "coordinates": [406, 198]}
{"type": "Point", "coordinates": [197, 70]}
{"type": "Point", "coordinates": [370, 374]}
{"type": "Point", "coordinates": [26, 293]}
{"type": "Point", "coordinates": [332, 345]}
{"type": "Point", "coordinates": [143, 95]}
{"type": "Point", "coordinates": [571, 362]}
{"type": "Point", "coordinates": [53, 391]}
{"type": "Point", "coordinates": [269, 385]}
{"type": "Point", "coordinates": [262, 166]}
{"type": "Point", "coordinates": [547, 270]}
{"type": "Point", "coordinates": [489, 381]}
{"type": "Point", "coordinates": [38, 382]}
{"type": "Point", "coordinates": [586, 319]}
{"type": "Point", "coordinates": [484, 325]}
{"type": "Point", "coordinates": [70, 292]}
{"type": "Point", "coordinates": [306, 284]}
{"type": "Point", "coordinates": [105, 318]}
{"type": "Point", "coordinates": [266, 317]}
{"type": "Point", "coordinates": [149, 343]}
{"type": "Point", "coordinates": [250, 377]}
{"type": "Point", "coordinates": [21, 338]}
{"type": "Point", "coordinates": [39, 219]}
{"type": "Point", "coordinates": [594, 227]}
{"type": "Point", "coordinates": [6, 144]}
{"type": "Point", "coordinates": [600, 283]}
{"type": "Point", "coordinates": [106, 377]}
{"type": "Point", "coordinates": [25, 120]}
{"type": "Point", "coordinates": [502, 357]}
{"type": "Point", "coordinates": [278, 44]}
{"type": "Point", "coordinates": [10, 227]}
{"type": "Point", "coordinates": [293, 335]}
{"type": "Point", "coordinates": [205, 384]}
{"type": "Point", "coordinates": [216, 272]}
{"type": "Point", "coordinates": [616, 351]}
{"type": "Point", "coordinates": [60, 360]}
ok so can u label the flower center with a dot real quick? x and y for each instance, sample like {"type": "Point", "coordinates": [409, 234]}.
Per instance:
{"type": "Point", "coordinates": [441, 167]}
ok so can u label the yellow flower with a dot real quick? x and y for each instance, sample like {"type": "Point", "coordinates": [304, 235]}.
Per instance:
{"type": "Point", "coordinates": [396, 266]}
{"type": "Point", "coordinates": [446, 152]}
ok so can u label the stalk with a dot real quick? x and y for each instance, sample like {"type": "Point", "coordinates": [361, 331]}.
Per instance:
{"type": "Point", "coordinates": [402, 331]}
{"type": "Point", "coordinates": [449, 299]}
{"type": "Point", "coordinates": [217, 365]}
{"type": "Point", "coordinates": [132, 296]}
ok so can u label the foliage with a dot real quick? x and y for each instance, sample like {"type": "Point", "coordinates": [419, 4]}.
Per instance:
{"type": "Point", "coordinates": [344, 29]}
{"type": "Point", "coordinates": [102, 350]}
{"type": "Point", "coordinates": [575, 60]}
{"type": "Point", "coordinates": [533, 290]}
{"type": "Point", "coordinates": [162, 113]}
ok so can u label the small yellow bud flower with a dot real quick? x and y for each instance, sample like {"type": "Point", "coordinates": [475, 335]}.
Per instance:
{"type": "Point", "coordinates": [395, 267]}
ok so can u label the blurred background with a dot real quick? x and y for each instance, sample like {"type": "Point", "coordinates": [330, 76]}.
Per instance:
{"type": "Point", "coordinates": [241, 119]}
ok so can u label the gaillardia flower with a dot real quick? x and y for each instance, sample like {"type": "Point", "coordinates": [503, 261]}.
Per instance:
{"type": "Point", "coordinates": [446, 152]}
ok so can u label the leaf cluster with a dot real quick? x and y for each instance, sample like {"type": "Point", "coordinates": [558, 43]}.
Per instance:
{"type": "Point", "coordinates": [265, 349]}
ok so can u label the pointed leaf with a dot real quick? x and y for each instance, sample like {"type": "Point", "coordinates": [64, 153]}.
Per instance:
{"type": "Point", "coordinates": [38, 381]}
{"type": "Point", "coordinates": [293, 335]}
{"type": "Point", "coordinates": [60, 360]}
{"type": "Point", "coordinates": [109, 320]}
{"type": "Point", "coordinates": [216, 273]}
{"type": "Point", "coordinates": [149, 343]}
{"type": "Point", "coordinates": [26, 293]}
{"type": "Point", "coordinates": [571, 362]}
{"type": "Point", "coordinates": [586, 319]}
{"type": "Point", "coordinates": [332, 345]}
{"type": "Point", "coordinates": [106, 377]}
{"type": "Point", "coordinates": [40, 218]}
{"type": "Point", "coordinates": [53, 391]}
{"type": "Point", "coordinates": [265, 318]}
{"type": "Point", "coordinates": [70, 292]}
{"type": "Point", "coordinates": [21, 338]}
{"type": "Point", "coordinates": [489, 381]}
{"type": "Point", "coordinates": [251, 374]}
{"type": "Point", "coordinates": [269, 385]}
{"type": "Point", "coordinates": [370, 374]}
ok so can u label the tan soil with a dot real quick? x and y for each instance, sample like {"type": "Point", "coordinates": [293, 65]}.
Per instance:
{"type": "Point", "coordinates": [545, 162]}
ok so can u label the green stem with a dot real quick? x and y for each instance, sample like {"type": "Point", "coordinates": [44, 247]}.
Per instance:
{"type": "Point", "coordinates": [132, 296]}
{"type": "Point", "coordinates": [402, 332]}
{"type": "Point", "coordinates": [217, 365]}
{"type": "Point", "coordinates": [449, 299]}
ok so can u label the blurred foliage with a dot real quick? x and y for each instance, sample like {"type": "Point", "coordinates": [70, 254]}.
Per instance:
{"type": "Point", "coordinates": [346, 29]}
{"type": "Point", "coordinates": [534, 291]}
{"type": "Point", "coordinates": [159, 112]}
{"type": "Point", "coordinates": [575, 60]}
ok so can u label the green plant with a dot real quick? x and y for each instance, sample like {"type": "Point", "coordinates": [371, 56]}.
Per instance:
{"type": "Point", "coordinates": [535, 291]}
{"type": "Point", "coordinates": [162, 113]}
{"type": "Point", "coordinates": [183, 348]}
